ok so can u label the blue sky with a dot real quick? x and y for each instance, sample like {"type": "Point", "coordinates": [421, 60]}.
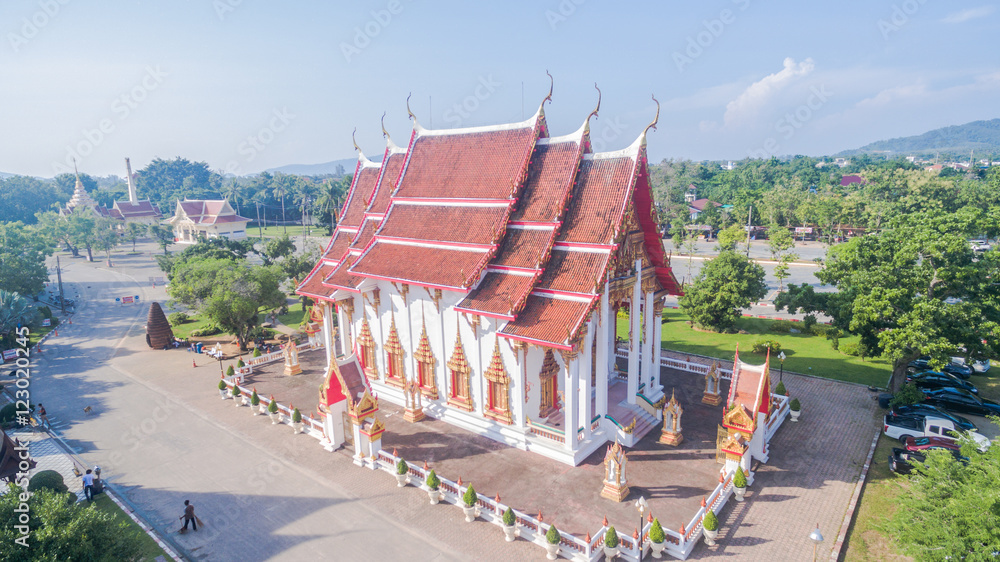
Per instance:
{"type": "Point", "coordinates": [247, 84]}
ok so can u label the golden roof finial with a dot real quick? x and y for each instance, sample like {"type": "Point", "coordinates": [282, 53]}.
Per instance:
{"type": "Point", "coordinates": [656, 119]}
{"type": "Point", "coordinates": [384, 132]}
{"type": "Point", "coordinates": [598, 108]}
{"type": "Point", "coordinates": [412, 116]}
{"type": "Point", "coordinates": [355, 140]}
{"type": "Point", "coordinates": [552, 83]}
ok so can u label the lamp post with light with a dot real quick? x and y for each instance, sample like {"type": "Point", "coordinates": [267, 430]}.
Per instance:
{"type": "Point", "coordinates": [641, 505]}
{"type": "Point", "coordinates": [781, 373]}
{"type": "Point", "coordinates": [816, 537]}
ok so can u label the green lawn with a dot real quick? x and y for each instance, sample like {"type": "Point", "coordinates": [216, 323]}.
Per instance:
{"type": "Point", "coordinates": [806, 353]}
{"type": "Point", "coordinates": [294, 231]}
{"type": "Point", "coordinates": [184, 330]}
{"type": "Point", "coordinates": [294, 316]}
{"type": "Point", "coordinates": [150, 550]}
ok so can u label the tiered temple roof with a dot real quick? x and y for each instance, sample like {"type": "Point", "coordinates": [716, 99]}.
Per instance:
{"type": "Point", "coordinates": [528, 227]}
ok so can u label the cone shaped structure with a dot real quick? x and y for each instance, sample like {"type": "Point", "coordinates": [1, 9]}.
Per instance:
{"type": "Point", "coordinates": [158, 332]}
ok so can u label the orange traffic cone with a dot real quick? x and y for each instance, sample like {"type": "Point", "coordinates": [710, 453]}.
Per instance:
{"type": "Point", "coordinates": [193, 364]}
{"type": "Point", "coordinates": [70, 320]}
{"type": "Point", "coordinates": [55, 332]}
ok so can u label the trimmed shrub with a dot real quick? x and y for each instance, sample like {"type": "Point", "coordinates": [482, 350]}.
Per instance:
{"type": "Point", "coordinates": [254, 399]}
{"type": "Point", "coordinates": [809, 321]}
{"type": "Point", "coordinates": [508, 518]}
{"type": "Point", "coordinates": [432, 481]}
{"type": "Point", "coordinates": [820, 330]}
{"type": "Point", "coordinates": [552, 536]}
{"type": "Point", "coordinates": [401, 467]}
{"type": "Point", "coordinates": [834, 334]}
{"type": "Point", "coordinates": [240, 364]}
{"type": "Point", "coordinates": [8, 413]}
{"type": "Point", "coordinates": [272, 407]}
{"type": "Point", "coordinates": [230, 371]}
{"type": "Point", "coordinates": [49, 480]}
{"type": "Point", "coordinates": [795, 405]}
{"type": "Point", "coordinates": [611, 537]}
{"type": "Point", "coordinates": [206, 330]}
{"type": "Point", "coordinates": [780, 389]}
{"type": "Point", "coordinates": [45, 311]}
{"type": "Point", "coordinates": [222, 384]}
{"type": "Point", "coordinates": [908, 394]}
{"type": "Point", "coordinates": [471, 497]}
{"type": "Point", "coordinates": [656, 533]}
{"type": "Point", "coordinates": [178, 318]}
{"type": "Point", "coordinates": [740, 480]}
{"type": "Point", "coordinates": [781, 326]}
{"type": "Point", "coordinates": [761, 346]}
{"type": "Point", "coordinates": [236, 391]}
{"type": "Point", "coordinates": [296, 416]}
{"type": "Point", "coordinates": [710, 522]}
{"type": "Point", "coordinates": [256, 352]}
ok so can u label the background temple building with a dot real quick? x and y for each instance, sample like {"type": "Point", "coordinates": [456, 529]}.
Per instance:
{"type": "Point", "coordinates": [133, 210]}
{"type": "Point", "coordinates": [487, 266]}
{"type": "Point", "coordinates": [196, 220]}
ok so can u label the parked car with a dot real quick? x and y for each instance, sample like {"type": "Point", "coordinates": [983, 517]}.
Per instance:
{"type": "Point", "coordinates": [931, 411]}
{"type": "Point", "coordinates": [929, 380]}
{"type": "Point", "coordinates": [901, 461]}
{"type": "Point", "coordinates": [902, 427]}
{"type": "Point", "coordinates": [979, 245]}
{"type": "Point", "coordinates": [922, 364]}
{"type": "Point", "coordinates": [977, 366]}
{"type": "Point", "coordinates": [924, 443]}
{"type": "Point", "coordinates": [959, 400]}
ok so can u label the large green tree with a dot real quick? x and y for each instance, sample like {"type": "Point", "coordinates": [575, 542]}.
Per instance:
{"type": "Point", "coordinates": [917, 287]}
{"type": "Point", "coordinates": [22, 258]}
{"type": "Point", "coordinates": [62, 530]}
{"type": "Point", "coordinates": [21, 197]}
{"type": "Point", "coordinates": [950, 509]}
{"type": "Point", "coordinates": [229, 292]}
{"type": "Point", "coordinates": [724, 286]}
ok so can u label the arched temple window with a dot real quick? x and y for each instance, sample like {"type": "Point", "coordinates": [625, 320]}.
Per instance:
{"type": "Point", "coordinates": [366, 353]}
{"type": "Point", "coordinates": [548, 403]}
{"type": "Point", "coordinates": [498, 389]}
{"type": "Point", "coordinates": [425, 367]}
{"type": "Point", "coordinates": [458, 377]}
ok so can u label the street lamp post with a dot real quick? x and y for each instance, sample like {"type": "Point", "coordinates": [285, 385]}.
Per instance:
{"type": "Point", "coordinates": [641, 506]}
{"type": "Point", "coordinates": [781, 373]}
{"type": "Point", "coordinates": [816, 537]}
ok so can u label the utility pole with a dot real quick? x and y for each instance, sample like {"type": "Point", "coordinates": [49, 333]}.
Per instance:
{"type": "Point", "coordinates": [260, 230]}
{"type": "Point", "coordinates": [62, 297]}
{"type": "Point", "coordinates": [749, 216]}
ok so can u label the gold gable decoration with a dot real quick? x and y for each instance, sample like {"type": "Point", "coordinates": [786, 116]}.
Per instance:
{"type": "Point", "coordinates": [392, 345]}
{"type": "Point", "coordinates": [457, 362]}
{"type": "Point", "coordinates": [738, 417]}
{"type": "Point", "coordinates": [365, 407]}
{"type": "Point", "coordinates": [497, 372]}
{"type": "Point", "coordinates": [423, 354]}
{"type": "Point", "coordinates": [365, 337]}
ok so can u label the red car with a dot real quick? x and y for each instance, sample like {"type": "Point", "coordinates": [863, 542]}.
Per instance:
{"type": "Point", "coordinates": [924, 443]}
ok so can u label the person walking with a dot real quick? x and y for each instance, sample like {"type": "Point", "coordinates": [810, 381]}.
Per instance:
{"type": "Point", "coordinates": [42, 415]}
{"type": "Point", "coordinates": [88, 485]}
{"type": "Point", "coordinates": [188, 517]}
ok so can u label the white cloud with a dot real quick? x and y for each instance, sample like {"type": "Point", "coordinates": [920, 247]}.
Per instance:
{"type": "Point", "coordinates": [749, 103]}
{"type": "Point", "coordinates": [893, 94]}
{"type": "Point", "coordinates": [970, 14]}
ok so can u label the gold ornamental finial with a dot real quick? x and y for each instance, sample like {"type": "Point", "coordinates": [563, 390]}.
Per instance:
{"type": "Point", "coordinates": [355, 140]}
{"type": "Point", "coordinates": [385, 133]}
{"type": "Point", "coordinates": [598, 108]}
{"type": "Point", "coordinates": [656, 119]}
{"type": "Point", "coordinates": [552, 84]}
{"type": "Point", "coordinates": [412, 116]}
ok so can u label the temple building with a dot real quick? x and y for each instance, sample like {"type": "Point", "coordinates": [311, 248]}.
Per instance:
{"type": "Point", "coordinates": [196, 220]}
{"type": "Point", "coordinates": [484, 269]}
{"type": "Point", "coordinates": [133, 210]}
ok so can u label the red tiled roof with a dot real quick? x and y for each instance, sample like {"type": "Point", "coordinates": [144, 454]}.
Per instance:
{"type": "Point", "coordinates": [229, 218]}
{"type": "Point", "coordinates": [524, 247]}
{"type": "Point", "coordinates": [445, 223]}
{"type": "Point", "coordinates": [548, 321]}
{"type": "Point", "coordinates": [354, 380]}
{"type": "Point", "coordinates": [365, 235]}
{"type": "Point", "coordinates": [436, 266]}
{"type": "Point", "coordinates": [312, 285]}
{"type": "Point", "coordinates": [357, 200]}
{"type": "Point", "coordinates": [550, 176]}
{"type": "Point", "coordinates": [699, 204]}
{"type": "Point", "coordinates": [576, 272]}
{"type": "Point", "coordinates": [499, 293]}
{"type": "Point", "coordinates": [341, 277]}
{"type": "Point", "coordinates": [338, 246]}
{"type": "Point", "coordinates": [141, 209]}
{"type": "Point", "coordinates": [603, 187]}
{"type": "Point", "coordinates": [479, 165]}
{"type": "Point", "coordinates": [387, 183]}
{"type": "Point", "coordinates": [746, 387]}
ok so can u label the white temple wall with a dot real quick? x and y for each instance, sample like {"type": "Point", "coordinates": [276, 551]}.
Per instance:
{"type": "Point", "coordinates": [535, 359]}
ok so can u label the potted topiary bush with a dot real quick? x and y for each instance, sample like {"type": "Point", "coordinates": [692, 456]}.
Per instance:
{"type": "Point", "coordinates": [223, 389]}
{"type": "Point", "coordinates": [794, 408]}
{"type": "Point", "coordinates": [552, 538]}
{"type": "Point", "coordinates": [256, 352]}
{"type": "Point", "coordinates": [710, 523]}
{"type": "Point", "coordinates": [255, 403]}
{"type": "Point", "coordinates": [509, 525]}
{"type": "Point", "coordinates": [780, 389]}
{"type": "Point", "coordinates": [402, 469]}
{"type": "Point", "coordinates": [297, 420]}
{"type": "Point", "coordinates": [739, 483]}
{"type": "Point", "coordinates": [469, 504]}
{"type": "Point", "coordinates": [240, 364]}
{"type": "Point", "coordinates": [656, 538]}
{"type": "Point", "coordinates": [610, 543]}
{"type": "Point", "coordinates": [272, 412]}
{"type": "Point", "coordinates": [236, 395]}
{"type": "Point", "coordinates": [433, 482]}
{"type": "Point", "coordinates": [230, 371]}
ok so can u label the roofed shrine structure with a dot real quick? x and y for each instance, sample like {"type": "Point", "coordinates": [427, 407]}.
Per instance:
{"type": "Point", "coordinates": [133, 210]}
{"type": "Point", "coordinates": [487, 266]}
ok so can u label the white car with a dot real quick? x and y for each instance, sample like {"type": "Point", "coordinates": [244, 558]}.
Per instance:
{"type": "Point", "coordinates": [979, 245]}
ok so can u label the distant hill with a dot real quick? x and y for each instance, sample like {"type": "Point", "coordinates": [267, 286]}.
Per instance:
{"type": "Point", "coordinates": [981, 136]}
{"type": "Point", "coordinates": [317, 169]}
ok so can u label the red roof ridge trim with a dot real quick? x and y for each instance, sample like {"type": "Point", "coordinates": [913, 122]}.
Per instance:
{"type": "Point", "coordinates": [496, 315]}
{"type": "Point", "coordinates": [584, 247]}
{"type": "Point", "coordinates": [554, 345]}
{"type": "Point", "coordinates": [413, 283]}
{"type": "Point", "coordinates": [529, 123]}
{"type": "Point", "coordinates": [523, 271]}
{"type": "Point", "coordinates": [563, 295]}
{"type": "Point", "coordinates": [531, 225]}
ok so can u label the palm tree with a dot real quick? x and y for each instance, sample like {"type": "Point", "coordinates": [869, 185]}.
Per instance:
{"type": "Point", "coordinates": [279, 191]}
{"type": "Point", "coordinates": [15, 311]}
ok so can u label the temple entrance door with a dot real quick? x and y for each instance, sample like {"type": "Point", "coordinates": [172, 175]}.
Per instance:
{"type": "Point", "coordinates": [721, 435]}
{"type": "Point", "coordinates": [348, 430]}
